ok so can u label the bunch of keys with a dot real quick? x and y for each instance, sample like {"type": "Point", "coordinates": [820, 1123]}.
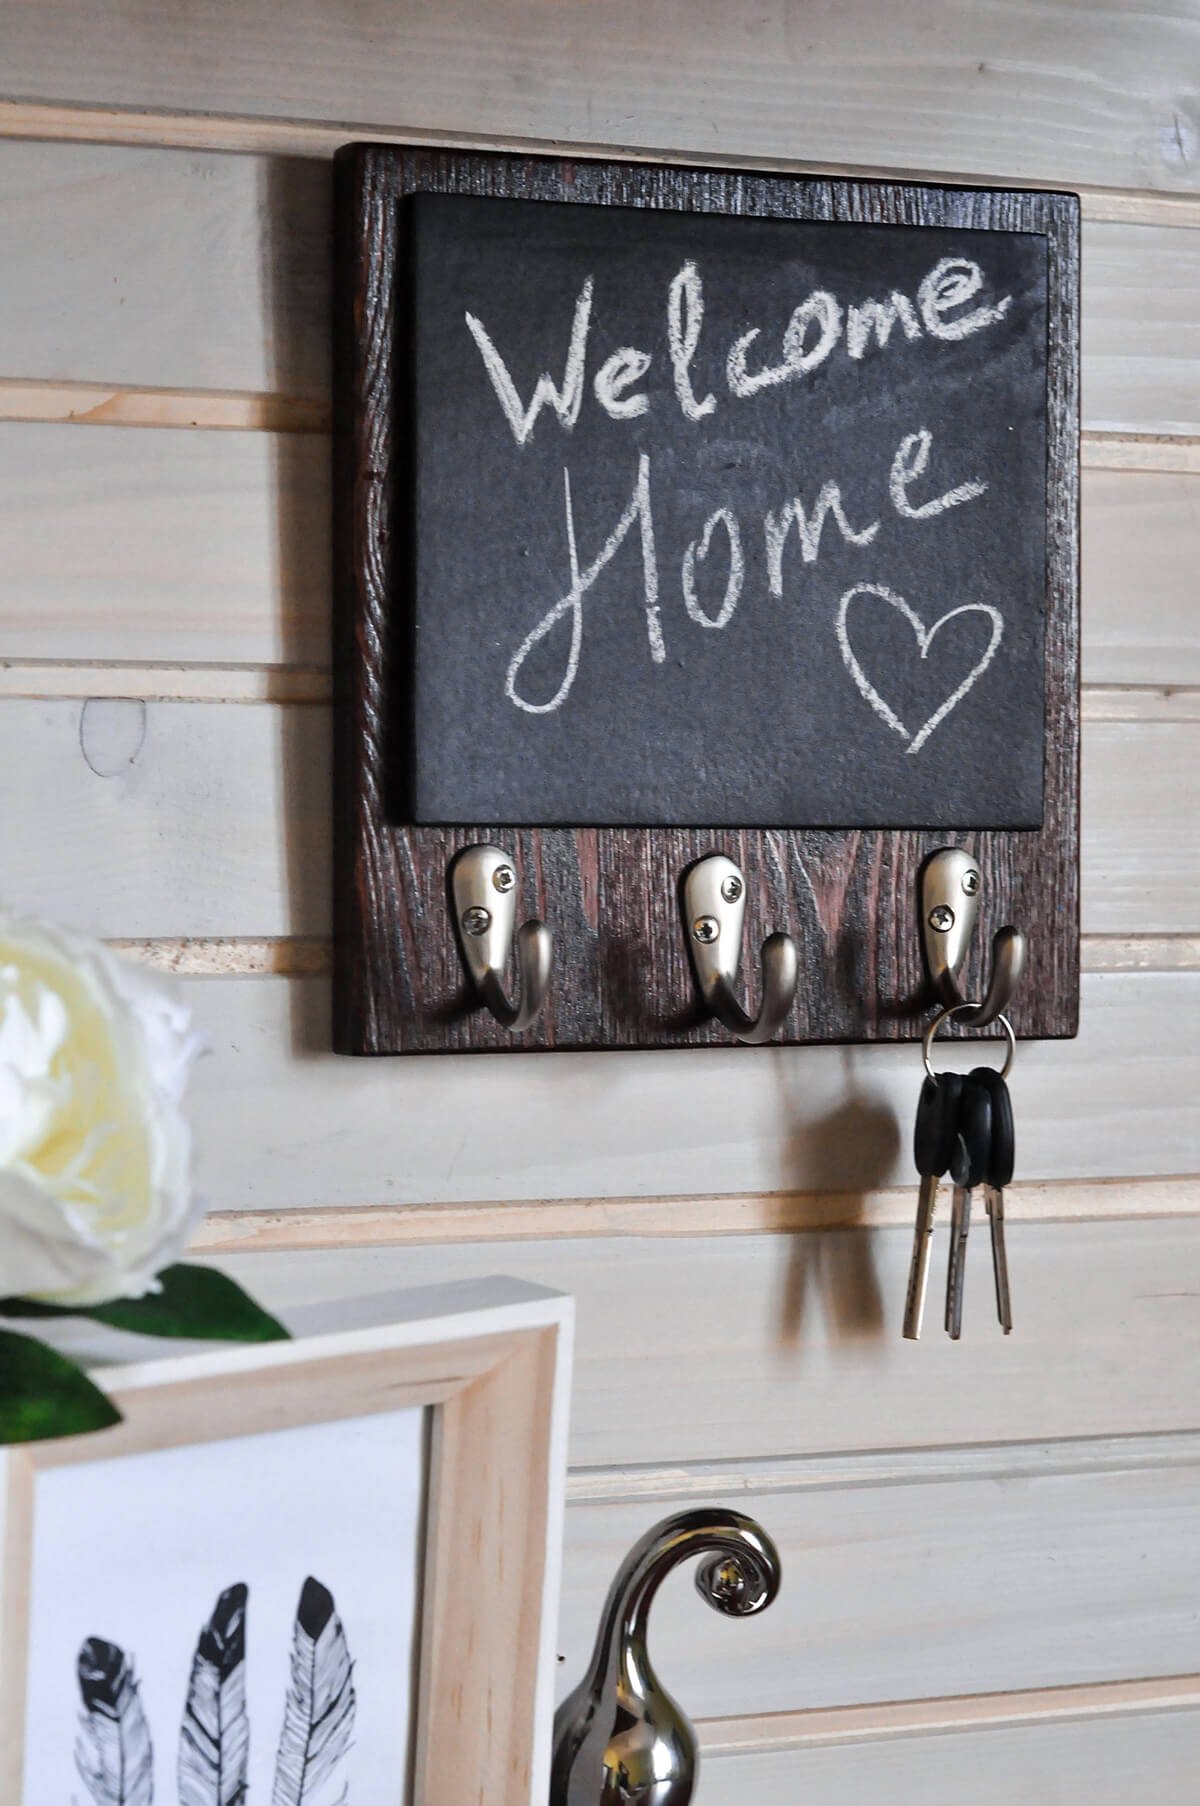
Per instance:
{"type": "Point", "coordinates": [964, 1128]}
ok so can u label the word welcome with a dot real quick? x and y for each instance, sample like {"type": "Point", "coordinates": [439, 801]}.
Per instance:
{"type": "Point", "coordinates": [909, 465]}
{"type": "Point", "coordinates": [812, 333]}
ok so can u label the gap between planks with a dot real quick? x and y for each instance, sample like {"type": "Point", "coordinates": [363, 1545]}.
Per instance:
{"type": "Point", "coordinates": [102, 404]}
{"type": "Point", "coordinates": [287, 137]}
{"type": "Point", "coordinates": [946, 1464]}
{"type": "Point", "coordinates": [930, 1717]}
{"type": "Point", "coordinates": [232, 410]}
{"type": "Point", "coordinates": [46, 680]}
{"type": "Point", "coordinates": [311, 956]}
{"type": "Point", "coordinates": [757, 1213]}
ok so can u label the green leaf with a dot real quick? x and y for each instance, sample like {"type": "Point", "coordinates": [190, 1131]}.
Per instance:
{"type": "Point", "coordinates": [42, 1393]}
{"type": "Point", "coordinates": [196, 1303]}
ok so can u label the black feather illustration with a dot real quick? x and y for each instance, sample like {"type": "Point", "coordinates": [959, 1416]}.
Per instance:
{"type": "Point", "coordinates": [113, 1752]}
{"type": "Point", "coordinates": [214, 1739]}
{"type": "Point", "coordinates": [318, 1717]}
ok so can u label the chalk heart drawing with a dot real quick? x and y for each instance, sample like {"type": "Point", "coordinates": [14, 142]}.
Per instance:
{"type": "Point", "coordinates": [924, 637]}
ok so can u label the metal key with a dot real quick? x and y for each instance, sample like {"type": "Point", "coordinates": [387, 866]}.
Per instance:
{"type": "Point", "coordinates": [999, 1174]}
{"type": "Point", "coordinates": [968, 1168]}
{"type": "Point", "coordinates": [933, 1145]}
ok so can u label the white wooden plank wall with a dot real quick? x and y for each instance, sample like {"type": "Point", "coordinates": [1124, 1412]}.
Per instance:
{"type": "Point", "coordinates": [992, 1550]}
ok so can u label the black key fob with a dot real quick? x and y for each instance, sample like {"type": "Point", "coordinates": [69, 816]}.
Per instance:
{"type": "Point", "coordinates": [937, 1123]}
{"type": "Point", "coordinates": [1003, 1149]}
{"type": "Point", "coordinates": [973, 1139]}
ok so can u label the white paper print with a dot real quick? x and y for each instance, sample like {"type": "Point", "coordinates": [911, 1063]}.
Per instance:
{"type": "Point", "coordinates": [228, 1622]}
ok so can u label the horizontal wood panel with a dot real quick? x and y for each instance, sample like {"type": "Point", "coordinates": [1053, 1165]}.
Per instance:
{"type": "Point", "coordinates": [199, 548]}
{"type": "Point", "coordinates": [886, 1594]}
{"type": "Point", "coordinates": [174, 819]}
{"type": "Point", "coordinates": [1140, 864]}
{"type": "Point", "coordinates": [194, 547]}
{"type": "Point", "coordinates": [165, 269]}
{"type": "Point", "coordinates": [1105, 1762]}
{"type": "Point", "coordinates": [1063, 93]}
{"type": "Point", "coordinates": [1141, 329]}
{"type": "Point", "coordinates": [283, 1123]}
{"type": "Point", "coordinates": [187, 271]}
{"type": "Point", "coordinates": [133, 811]}
{"type": "Point", "coordinates": [1139, 549]}
{"type": "Point", "coordinates": [731, 1348]}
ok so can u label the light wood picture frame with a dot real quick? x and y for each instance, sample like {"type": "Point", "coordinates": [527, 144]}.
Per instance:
{"type": "Point", "coordinates": [491, 1362]}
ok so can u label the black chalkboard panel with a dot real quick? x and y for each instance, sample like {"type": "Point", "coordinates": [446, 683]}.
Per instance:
{"type": "Point", "coordinates": [723, 520]}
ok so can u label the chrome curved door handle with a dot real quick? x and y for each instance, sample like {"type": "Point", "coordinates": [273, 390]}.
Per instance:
{"type": "Point", "coordinates": [619, 1736]}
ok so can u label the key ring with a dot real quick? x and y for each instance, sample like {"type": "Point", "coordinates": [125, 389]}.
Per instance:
{"type": "Point", "coordinates": [931, 1031]}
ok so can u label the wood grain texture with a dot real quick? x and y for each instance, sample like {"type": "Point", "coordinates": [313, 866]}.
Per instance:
{"type": "Point", "coordinates": [761, 1213]}
{"type": "Point", "coordinates": [1162, 452]}
{"type": "Point", "coordinates": [139, 814]}
{"type": "Point", "coordinates": [188, 547]}
{"type": "Point", "coordinates": [201, 548]}
{"type": "Point", "coordinates": [1056, 91]}
{"type": "Point", "coordinates": [311, 956]}
{"type": "Point", "coordinates": [1140, 540]}
{"type": "Point", "coordinates": [736, 1349]}
{"type": "Point", "coordinates": [185, 819]}
{"type": "Point", "coordinates": [1141, 329]}
{"type": "Point", "coordinates": [812, 1728]}
{"type": "Point", "coordinates": [179, 285]}
{"type": "Point", "coordinates": [611, 894]}
{"type": "Point", "coordinates": [1141, 843]}
{"type": "Point", "coordinates": [178, 270]}
{"type": "Point", "coordinates": [1107, 1550]}
{"type": "Point", "coordinates": [1107, 1762]}
{"type": "Point", "coordinates": [210, 410]}
{"type": "Point", "coordinates": [281, 1123]}
{"type": "Point", "coordinates": [489, 1552]}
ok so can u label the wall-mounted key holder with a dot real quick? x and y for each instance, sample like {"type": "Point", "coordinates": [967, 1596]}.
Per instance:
{"type": "Point", "coordinates": [684, 513]}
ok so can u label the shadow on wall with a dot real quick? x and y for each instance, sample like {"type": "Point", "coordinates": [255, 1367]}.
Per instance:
{"type": "Point", "coordinates": [294, 276]}
{"type": "Point", "coordinates": [852, 1151]}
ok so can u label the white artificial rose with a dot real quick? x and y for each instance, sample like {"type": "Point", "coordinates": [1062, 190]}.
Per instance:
{"type": "Point", "coordinates": [95, 1156]}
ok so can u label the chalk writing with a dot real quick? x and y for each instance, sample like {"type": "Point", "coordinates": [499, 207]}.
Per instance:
{"type": "Point", "coordinates": [909, 462]}
{"type": "Point", "coordinates": [638, 511]}
{"type": "Point", "coordinates": [813, 331]}
{"type": "Point", "coordinates": [949, 306]}
{"type": "Point", "coordinates": [924, 637]}
{"type": "Point", "coordinates": [722, 520]}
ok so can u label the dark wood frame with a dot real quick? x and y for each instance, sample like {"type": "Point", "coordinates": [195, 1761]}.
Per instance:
{"type": "Point", "coordinates": [622, 976]}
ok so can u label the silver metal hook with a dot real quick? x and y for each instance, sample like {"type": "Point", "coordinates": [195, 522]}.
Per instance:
{"type": "Point", "coordinates": [951, 885]}
{"type": "Point", "coordinates": [714, 904]}
{"type": "Point", "coordinates": [483, 884]}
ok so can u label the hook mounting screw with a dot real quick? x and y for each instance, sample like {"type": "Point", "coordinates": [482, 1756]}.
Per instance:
{"type": "Point", "coordinates": [483, 883]}
{"type": "Point", "coordinates": [714, 908]}
{"type": "Point", "coordinates": [951, 883]}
